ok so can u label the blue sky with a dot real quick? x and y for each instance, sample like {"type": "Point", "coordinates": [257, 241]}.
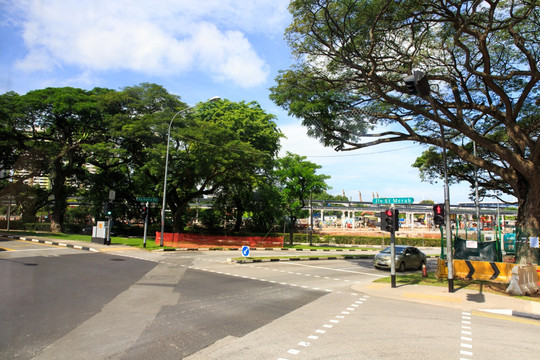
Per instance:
{"type": "Point", "coordinates": [197, 50]}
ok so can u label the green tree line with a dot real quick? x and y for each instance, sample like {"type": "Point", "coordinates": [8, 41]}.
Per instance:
{"type": "Point", "coordinates": [89, 142]}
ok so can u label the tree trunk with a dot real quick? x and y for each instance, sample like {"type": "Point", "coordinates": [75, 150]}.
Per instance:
{"type": "Point", "coordinates": [291, 229]}
{"type": "Point", "coordinates": [60, 200]}
{"type": "Point", "coordinates": [178, 218]}
{"type": "Point", "coordinates": [528, 222]}
{"type": "Point", "coordinates": [238, 215]}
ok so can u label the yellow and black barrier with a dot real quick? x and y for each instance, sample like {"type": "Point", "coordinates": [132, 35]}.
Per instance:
{"type": "Point", "coordinates": [483, 270]}
{"type": "Point", "coordinates": [478, 270]}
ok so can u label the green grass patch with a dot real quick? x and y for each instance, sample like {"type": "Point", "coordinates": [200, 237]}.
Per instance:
{"type": "Point", "coordinates": [138, 243]}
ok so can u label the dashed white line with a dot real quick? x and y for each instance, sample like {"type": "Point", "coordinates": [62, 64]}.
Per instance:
{"type": "Point", "coordinates": [466, 336]}
{"type": "Point", "coordinates": [323, 330]}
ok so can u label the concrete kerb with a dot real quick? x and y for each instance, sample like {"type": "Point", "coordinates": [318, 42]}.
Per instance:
{"type": "Point", "coordinates": [70, 244]}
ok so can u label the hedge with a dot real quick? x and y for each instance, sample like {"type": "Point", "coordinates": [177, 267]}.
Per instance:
{"type": "Point", "coordinates": [361, 240]}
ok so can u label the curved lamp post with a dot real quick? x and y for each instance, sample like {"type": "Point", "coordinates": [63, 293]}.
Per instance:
{"type": "Point", "coordinates": [164, 203]}
{"type": "Point", "coordinates": [417, 84]}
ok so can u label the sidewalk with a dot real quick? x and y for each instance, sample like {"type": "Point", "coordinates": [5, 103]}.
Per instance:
{"type": "Point", "coordinates": [464, 299]}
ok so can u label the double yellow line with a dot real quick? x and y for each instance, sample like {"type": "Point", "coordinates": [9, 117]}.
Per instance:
{"type": "Point", "coordinates": [506, 317]}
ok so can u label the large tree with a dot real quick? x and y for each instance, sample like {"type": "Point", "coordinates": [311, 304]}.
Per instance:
{"type": "Point", "coordinates": [216, 147]}
{"type": "Point", "coordinates": [298, 180]}
{"type": "Point", "coordinates": [51, 127]}
{"type": "Point", "coordinates": [125, 157]}
{"type": "Point", "coordinates": [481, 82]}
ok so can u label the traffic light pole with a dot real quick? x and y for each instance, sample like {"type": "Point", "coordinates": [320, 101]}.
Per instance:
{"type": "Point", "coordinates": [449, 255]}
{"type": "Point", "coordinates": [390, 223]}
{"type": "Point", "coordinates": [393, 248]}
{"type": "Point", "coordinates": [393, 257]}
{"type": "Point", "coordinates": [417, 84]}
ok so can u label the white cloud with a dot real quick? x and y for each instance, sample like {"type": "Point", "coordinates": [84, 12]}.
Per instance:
{"type": "Point", "coordinates": [160, 37]}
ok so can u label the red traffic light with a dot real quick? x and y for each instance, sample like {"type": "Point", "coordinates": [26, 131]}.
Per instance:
{"type": "Point", "coordinates": [389, 212]}
{"type": "Point", "coordinates": [438, 214]}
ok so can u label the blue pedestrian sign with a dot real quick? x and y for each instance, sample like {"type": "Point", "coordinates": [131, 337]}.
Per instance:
{"type": "Point", "coordinates": [245, 251]}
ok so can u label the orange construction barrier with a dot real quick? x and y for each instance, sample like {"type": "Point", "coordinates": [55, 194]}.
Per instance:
{"type": "Point", "coordinates": [202, 240]}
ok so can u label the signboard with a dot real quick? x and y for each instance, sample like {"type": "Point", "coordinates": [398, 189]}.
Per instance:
{"type": "Point", "coordinates": [245, 251]}
{"type": "Point", "coordinates": [471, 244]}
{"type": "Point", "coordinates": [400, 200]}
{"type": "Point", "coordinates": [147, 199]}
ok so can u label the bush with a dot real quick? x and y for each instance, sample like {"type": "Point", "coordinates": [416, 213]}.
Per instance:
{"type": "Point", "coordinates": [41, 227]}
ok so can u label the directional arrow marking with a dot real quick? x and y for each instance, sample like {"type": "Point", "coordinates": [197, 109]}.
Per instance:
{"type": "Point", "coordinates": [471, 269]}
{"type": "Point", "coordinates": [496, 271]}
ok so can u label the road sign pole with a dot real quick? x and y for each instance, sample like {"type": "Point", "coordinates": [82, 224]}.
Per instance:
{"type": "Point", "coordinates": [393, 255]}
{"type": "Point", "coordinates": [145, 225]}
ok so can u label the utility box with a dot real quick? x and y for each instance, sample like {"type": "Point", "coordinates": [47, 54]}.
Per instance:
{"type": "Point", "coordinates": [99, 233]}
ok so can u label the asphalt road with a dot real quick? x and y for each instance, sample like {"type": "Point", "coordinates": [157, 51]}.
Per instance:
{"type": "Point", "coordinates": [58, 303]}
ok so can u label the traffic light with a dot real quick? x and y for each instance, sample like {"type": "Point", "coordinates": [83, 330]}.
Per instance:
{"type": "Point", "coordinates": [390, 220]}
{"type": "Point", "coordinates": [417, 83]}
{"type": "Point", "coordinates": [107, 207]}
{"type": "Point", "coordinates": [144, 212]}
{"type": "Point", "coordinates": [438, 214]}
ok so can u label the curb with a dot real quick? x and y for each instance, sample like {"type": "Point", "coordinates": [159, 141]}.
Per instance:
{"type": "Point", "coordinates": [514, 313]}
{"type": "Point", "coordinates": [339, 257]}
{"type": "Point", "coordinates": [78, 247]}
{"type": "Point", "coordinates": [257, 249]}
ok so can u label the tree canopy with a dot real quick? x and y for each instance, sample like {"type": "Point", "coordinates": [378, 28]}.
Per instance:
{"type": "Point", "coordinates": [298, 179]}
{"type": "Point", "coordinates": [480, 60]}
{"type": "Point", "coordinates": [88, 143]}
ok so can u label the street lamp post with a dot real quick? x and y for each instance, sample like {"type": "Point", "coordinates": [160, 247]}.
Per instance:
{"type": "Point", "coordinates": [164, 203]}
{"type": "Point", "coordinates": [417, 84]}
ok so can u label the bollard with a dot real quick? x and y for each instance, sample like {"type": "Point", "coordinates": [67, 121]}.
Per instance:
{"type": "Point", "coordinates": [514, 287]}
{"type": "Point", "coordinates": [531, 278]}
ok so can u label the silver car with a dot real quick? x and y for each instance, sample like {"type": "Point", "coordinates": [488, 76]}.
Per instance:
{"type": "Point", "coordinates": [407, 257]}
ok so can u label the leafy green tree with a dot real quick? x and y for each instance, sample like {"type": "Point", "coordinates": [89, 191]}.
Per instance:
{"type": "Point", "coordinates": [125, 159]}
{"type": "Point", "coordinates": [298, 179]}
{"type": "Point", "coordinates": [265, 206]}
{"type": "Point", "coordinates": [249, 124]}
{"type": "Point", "coordinates": [11, 133]}
{"type": "Point", "coordinates": [219, 147]}
{"type": "Point", "coordinates": [481, 84]}
{"type": "Point", "coordinates": [50, 127]}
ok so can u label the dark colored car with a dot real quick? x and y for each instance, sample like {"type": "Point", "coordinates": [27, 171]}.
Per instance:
{"type": "Point", "coordinates": [407, 257]}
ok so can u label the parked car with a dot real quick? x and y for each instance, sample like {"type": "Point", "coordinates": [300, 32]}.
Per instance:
{"type": "Point", "coordinates": [407, 257]}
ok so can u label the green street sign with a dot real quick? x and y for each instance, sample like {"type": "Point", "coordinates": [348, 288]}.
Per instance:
{"type": "Point", "coordinates": [403, 200]}
{"type": "Point", "coordinates": [147, 199]}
